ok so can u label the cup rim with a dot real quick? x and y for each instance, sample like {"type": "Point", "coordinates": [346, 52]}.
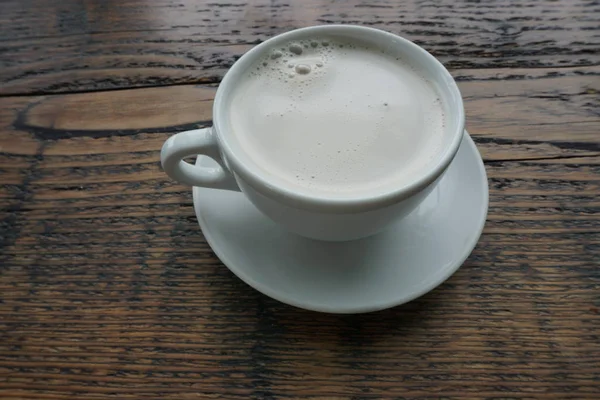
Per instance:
{"type": "Point", "coordinates": [263, 184]}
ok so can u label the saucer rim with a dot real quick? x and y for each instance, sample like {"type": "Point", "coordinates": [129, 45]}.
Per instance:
{"type": "Point", "coordinates": [371, 307]}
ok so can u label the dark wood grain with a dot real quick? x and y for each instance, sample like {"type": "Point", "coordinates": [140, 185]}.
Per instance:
{"type": "Point", "coordinates": [108, 288]}
{"type": "Point", "coordinates": [92, 45]}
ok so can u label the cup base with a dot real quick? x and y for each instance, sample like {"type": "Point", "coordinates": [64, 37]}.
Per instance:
{"type": "Point", "coordinates": [403, 262]}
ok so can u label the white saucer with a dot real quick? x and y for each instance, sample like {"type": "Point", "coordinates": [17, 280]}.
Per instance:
{"type": "Point", "coordinates": [404, 262]}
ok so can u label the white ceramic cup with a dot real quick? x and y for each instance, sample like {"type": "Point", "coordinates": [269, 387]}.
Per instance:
{"type": "Point", "coordinates": [317, 217]}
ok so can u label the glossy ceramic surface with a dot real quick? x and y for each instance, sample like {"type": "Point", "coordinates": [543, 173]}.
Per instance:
{"type": "Point", "coordinates": [405, 261]}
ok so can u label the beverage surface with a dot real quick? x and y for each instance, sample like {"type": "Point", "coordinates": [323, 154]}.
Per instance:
{"type": "Point", "coordinates": [333, 117]}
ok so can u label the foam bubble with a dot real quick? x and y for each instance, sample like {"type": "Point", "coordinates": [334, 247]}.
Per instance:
{"type": "Point", "coordinates": [303, 69]}
{"type": "Point", "coordinates": [295, 48]}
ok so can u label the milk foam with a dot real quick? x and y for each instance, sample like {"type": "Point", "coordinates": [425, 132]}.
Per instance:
{"type": "Point", "coordinates": [336, 118]}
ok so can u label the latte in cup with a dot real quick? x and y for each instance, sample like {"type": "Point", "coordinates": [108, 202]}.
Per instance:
{"type": "Point", "coordinates": [334, 132]}
{"type": "Point", "coordinates": [335, 117]}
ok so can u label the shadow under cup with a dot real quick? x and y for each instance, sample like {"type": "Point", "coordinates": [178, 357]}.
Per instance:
{"type": "Point", "coordinates": [337, 217]}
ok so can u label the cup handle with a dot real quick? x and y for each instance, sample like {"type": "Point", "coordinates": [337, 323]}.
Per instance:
{"type": "Point", "coordinates": [192, 143]}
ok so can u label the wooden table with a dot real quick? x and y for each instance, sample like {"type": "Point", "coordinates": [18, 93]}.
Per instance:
{"type": "Point", "coordinates": [109, 290]}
